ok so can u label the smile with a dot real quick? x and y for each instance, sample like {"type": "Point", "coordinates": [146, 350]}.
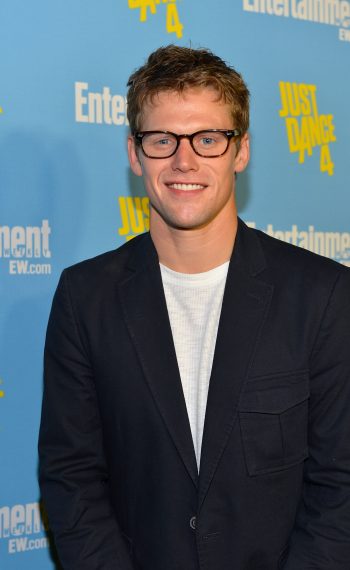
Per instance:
{"type": "Point", "coordinates": [186, 186]}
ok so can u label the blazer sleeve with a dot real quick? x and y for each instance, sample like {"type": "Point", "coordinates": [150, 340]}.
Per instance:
{"type": "Point", "coordinates": [321, 537]}
{"type": "Point", "coordinates": [73, 474]}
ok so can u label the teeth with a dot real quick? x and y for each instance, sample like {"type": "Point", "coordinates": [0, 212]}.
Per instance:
{"type": "Point", "coordinates": [186, 186]}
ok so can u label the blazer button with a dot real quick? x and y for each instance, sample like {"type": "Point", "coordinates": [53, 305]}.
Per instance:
{"type": "Point", "coordinates": [193, 523]}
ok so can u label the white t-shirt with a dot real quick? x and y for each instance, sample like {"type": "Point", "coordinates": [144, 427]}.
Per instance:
{"type": "Point", "coordinates": [194, 305]}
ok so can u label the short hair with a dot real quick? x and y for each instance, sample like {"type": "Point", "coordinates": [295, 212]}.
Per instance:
{"type": "Point", "coordinates": [177, 68]}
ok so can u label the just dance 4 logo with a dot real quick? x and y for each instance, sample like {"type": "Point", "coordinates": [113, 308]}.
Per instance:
{"type": "Point", "coordinates": [134, 216]}
{"type": "Point", "coordinates": [172, 18]}
{"type": "Point", "coordinates": [306, 128]}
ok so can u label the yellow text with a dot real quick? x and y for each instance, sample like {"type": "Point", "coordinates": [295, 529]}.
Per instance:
{"type": "Point", "coordinates": [305, 127]}
{"type": "Point", "coordinates": [134, 214]}
{"type": "Point", "coordinates": [173, 24]}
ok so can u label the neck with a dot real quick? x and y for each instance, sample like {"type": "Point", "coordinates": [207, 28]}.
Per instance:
{"type": "Point", "coordinates": [194, 250]}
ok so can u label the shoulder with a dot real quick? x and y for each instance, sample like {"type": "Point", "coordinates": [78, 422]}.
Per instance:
{"type": "Point", "coordinates": [111, 263]}
{"type": "Point", "coordinates": [282, 255]}
{"type": "Point", "coordinates": [292, 268]}
{"type": "Point", "coordinates": [94, 277]}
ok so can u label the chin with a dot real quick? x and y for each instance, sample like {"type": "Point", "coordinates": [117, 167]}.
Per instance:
{"type": "Point", "coordinates": [182, 220]}
{"type": "Point", "coordinates": [181, 224]}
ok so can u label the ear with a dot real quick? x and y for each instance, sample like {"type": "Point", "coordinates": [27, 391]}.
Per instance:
{"type": "Point", "coordinates": [242, 156]}
{"type": "Point", "coordinates": [134, 157]}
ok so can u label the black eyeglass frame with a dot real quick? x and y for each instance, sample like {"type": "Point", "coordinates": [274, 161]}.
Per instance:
{"type": "Point", "coordinates": [230, 134]}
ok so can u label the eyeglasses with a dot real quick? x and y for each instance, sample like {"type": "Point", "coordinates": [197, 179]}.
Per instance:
{"type": "Point", "coordinates": [163, 144]}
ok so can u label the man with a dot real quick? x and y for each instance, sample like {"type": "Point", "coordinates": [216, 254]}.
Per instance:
{"type": "Point", "coordinates": [196, 410]}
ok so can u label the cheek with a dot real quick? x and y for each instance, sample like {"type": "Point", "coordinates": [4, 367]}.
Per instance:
{"type": "Point", "coordinates": [151, 180]}
{"type": "Point", "coordinates": [153, 173]}
{"type": "Point", "coordinates": [225, 174]}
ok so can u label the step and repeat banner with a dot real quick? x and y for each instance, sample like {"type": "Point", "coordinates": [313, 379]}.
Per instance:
{"type": "Point", "coordinates": [67, 193]}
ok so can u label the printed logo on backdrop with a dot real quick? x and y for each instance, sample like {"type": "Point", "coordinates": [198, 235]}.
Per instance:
{"type": "Point", "coordinates": [335, 245]}
{"type": "Point", "coordinates": [173, 24]}
{"type": "Point", "coordinates": [306, 129]}
{"type": "Point", "coordinates": [99, 107]}
{"type": "Point", "coordinates": [23, 528]}
{"type": "Point", "coordinates": [330, 12]}
{"type": "Point", "coordinates": [26, 249]}
{"type": "Point", "coordinates": [134, 215]}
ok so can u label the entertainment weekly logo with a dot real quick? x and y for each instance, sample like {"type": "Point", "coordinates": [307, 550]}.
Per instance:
{"type": "Point", "coordinates": [24, 248]}
{"type": "Point", "coordinates": [99, 107]}
{"type": "Point", "coordinates": [173, 24]}
{"type": "Point", "coordinates": [23, 528]}
{"type": "Point", "coordinates": [330, 12]}
{"type": "Point", "coordinates": [335, 245]}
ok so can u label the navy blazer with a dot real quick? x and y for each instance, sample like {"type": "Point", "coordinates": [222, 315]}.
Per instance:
{"type": "Point", "coordinates": [118, 472]}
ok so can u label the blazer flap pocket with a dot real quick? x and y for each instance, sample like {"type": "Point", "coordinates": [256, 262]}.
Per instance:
{"type": "Point", "coordinates": [274, 395]}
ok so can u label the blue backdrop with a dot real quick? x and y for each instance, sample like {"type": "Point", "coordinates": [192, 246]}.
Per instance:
{"type": "Point", "coordinates": [67, 192]}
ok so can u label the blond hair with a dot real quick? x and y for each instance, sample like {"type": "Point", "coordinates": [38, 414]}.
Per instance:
{"type": "Point", "coordinates": [177, 68]}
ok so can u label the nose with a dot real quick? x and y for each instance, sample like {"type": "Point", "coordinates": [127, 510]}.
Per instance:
{"type": "Point", "coordinates": [185, 158]}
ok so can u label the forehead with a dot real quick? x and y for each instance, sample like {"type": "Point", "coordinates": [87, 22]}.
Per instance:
{"type": "Point", "coordinates": [200, 107]}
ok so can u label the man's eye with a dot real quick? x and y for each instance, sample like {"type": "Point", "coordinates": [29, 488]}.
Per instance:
{"type": "Point", "coordinates": [207, 141]}
{"type": "Point", "coordinates": [162, 142]}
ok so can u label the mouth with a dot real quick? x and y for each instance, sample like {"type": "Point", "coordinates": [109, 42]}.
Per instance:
{"type": "Point", "coordinates": [185, 187]}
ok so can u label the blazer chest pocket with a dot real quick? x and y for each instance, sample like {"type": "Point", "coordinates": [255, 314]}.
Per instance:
{"type": "Point", "coordinates": [273, 414]}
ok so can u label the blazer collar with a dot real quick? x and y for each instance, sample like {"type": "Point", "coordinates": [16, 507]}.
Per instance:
{"type": "Point", "coordinates": [146, 316]}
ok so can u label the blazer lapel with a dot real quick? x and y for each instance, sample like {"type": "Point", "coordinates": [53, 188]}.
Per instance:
{"type": "Point", "coordinates": [245, 304]}
{"type": "Point", "coordinates": [144, 306]}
